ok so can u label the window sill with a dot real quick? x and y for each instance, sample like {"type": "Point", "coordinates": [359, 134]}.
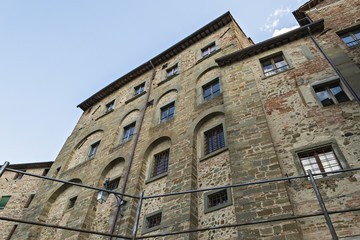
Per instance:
{"type": "Point", "coordinates": [336, 104]}
{"type": "Point", "coordinates": [168, 79]}
{"type": "Point", "coordinates": [104, 114]}
{"type": "Point", "coordinates": [266, 77]}
{"type": "Point", "coordinates": [156, 177]}
{"type": "Point", "coordinates": [210, 155]}
{"type": "Point", "coordinates": [135, 97]}
{"type": "Point", "coordinates": [208, 56]}
{"type": "Point", "coordinates": [332, 177]}
{"type": "Point", "coordinates": [215, 208]}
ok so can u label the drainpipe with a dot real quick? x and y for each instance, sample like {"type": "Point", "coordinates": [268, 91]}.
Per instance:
{"type": "Point", "coordinates": [132, 153]}
{"type": "Point", "coordinates": [334, 67]}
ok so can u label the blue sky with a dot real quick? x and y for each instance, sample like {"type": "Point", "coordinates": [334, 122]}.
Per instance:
{"type": "Point", "coordinates": [55, 54]}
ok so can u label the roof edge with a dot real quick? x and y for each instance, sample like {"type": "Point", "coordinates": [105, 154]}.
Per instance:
{"type": "Point", "coordinates": [31, 165]}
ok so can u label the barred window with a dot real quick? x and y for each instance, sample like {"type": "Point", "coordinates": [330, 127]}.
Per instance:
{"type": "Point", "coordinates": [161, 161]}
{"type": "Point", "coordinates": [214, 139]}
{"type": "Point", "coordinates": [113, 184]}
{"type": "Point", "coordinates": [217, 198]}
{"type": "Point", "coordinates": [129, 132]}
{"type": "Point", "coordinates": [211, 90]}
{"type": "Point", "coordinates": [167, 112]}
{"type": "Point", "coordinates": [320, 160]}
{"type": "Point", "coordinates": [93, 150]}
{"type": "Point", "coordinates": [274, 65]}
{"type": "Point", "coordinates": [153, 221]}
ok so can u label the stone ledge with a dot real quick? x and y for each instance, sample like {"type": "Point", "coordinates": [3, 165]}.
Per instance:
{"type": "Point", "coordinates": [213, 154]}
{"type": "Point", "coordinates": [134, 97]}
{"type": "Point", "coordinates": [156, 177]}
{"type": "Point", "coordinates": [104, 114]}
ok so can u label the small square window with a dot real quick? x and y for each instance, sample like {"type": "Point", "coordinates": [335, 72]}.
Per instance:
{"type": "Point", "coordinates": [172, 71]}
{"type": "Point", "coordinates": [322, 159]}
{"type": "Point", "coordinates": [217, 199]}
{"type": "Point", "coordinates": [110, 106]}
{"type": "Point", "coordinates": [19, 176]}
{"type": "Point", "coordinates": [351, 38]}
{"type": "Point", "coordinates": [4, 200]}
{"type": "Point", "coordinates": [139, 89]}
{"type": "Point", "coordinates": [113, 184]}
{"type": "Point", "coordinates": [214, 139]}
{"type": "Point", "coordinates": [274, 65]}
{"type": "Point", "coordinates": [129, 132]}
{"type": "Point", "coordinates": [93, 150]}
{"type": "Point", "coordinates": [161, 161]}
{"type": "Point", "coordinates": [211, 89]}
{"type": "Point", "coordinates": [28, 202]}
{"type": "Point", "coordinates": [72, 202]}
{"type": "Point", "coordinates": [167, 112]}
{"type": "Point", "coordinates": [208, 50]}
{"type": "Point", "coordinates": [330, 94]}
{"type": "Point", "coordinates": [153, 221]}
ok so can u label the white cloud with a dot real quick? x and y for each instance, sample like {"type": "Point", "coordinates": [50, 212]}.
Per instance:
{"type": "Point", "coordinates": [280, 12]}
{"type": "Point", "coordinates": [272, 21]}
{"type": "Point", "coordinates": [278, 32]}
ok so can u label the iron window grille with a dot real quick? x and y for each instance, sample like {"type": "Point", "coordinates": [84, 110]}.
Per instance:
{"type": "Point", "coordinates": [139, 89]}
{"type": "Point", "coordinates": [208, 50]}
{"type": "Point", "coordinates": [4, 200]}
{"type": "Point", "coordinates": [167, 112]}
{"type": "Point", "coordinates": [217, 198]}
{"type": "Point", "coordinates": [110, 106]}
{"type": "Point", "coordinates": [153, 221]}
{"type": "Point", "coordinates": [93, 150]}
{"type": "Point", "coordinates": [72, 202]}
{"type": "Point", "coordinates": [331, 94]}
{"type": "Point", "coordinates": [11, 232]}
{"type": "Point", "coordinates": [129, 132]}
{"type": "Point", "coordinates": [214, 139]}
{"type": "Point", "coordinates": [161, 161]}
{"type": "Point", "coordinates": [172, 71]}
{"type": "Point", "coordinates": [274, 65]}
{"type": "Point", "coordinates": [28, 202]}
{"type": "Point", "coordinates": [19, 176]}
{"type": "Point", "coordinates": [211, 90]}
{"type": "Point", "coordinates": [113, 184]}
{"type": "Point", "coordinates": [351, 38]}
{"type": "Point", "coordinates": [320, 160]}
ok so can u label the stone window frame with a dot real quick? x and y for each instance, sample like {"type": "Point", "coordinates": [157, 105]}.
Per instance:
{"type": "Point", "coordinates": [164, 174]}
{"type": "Point", "coordinates": [132, 95]}
{"type": "Point", "coordinates": [7, 201]}
{"type": "Point", "coordinates": [122, 132]}
{"type": "Point", "coordinates": [200, 90]}
{"type": "Point", "coordinates": [341, 158]}
{"type": "Point", "coordinates": [328, 82]}
{"type": "Point", "coordinates": [270, 56]}
{"type": "Point", "coordinates": [199, 56]}
{"type": "Point", "coordinates": [350, 32]}
{"type": "Point", "coordinates": [145, 228]}
{"type": "Point", "coordinates": [158, 111]}
{"type": "Point", "coordinates": [164, 77]}
{"type": "Point", "coordinates": [204, 156]}
{"type": "Point", "coordinates": [215, 208]}
{"type": "Point", "coordinates": [87, 157]}
{"type": "Point", "coordinates": [112, 180]}
{"type": "Point", "coordinates": [71, 202]}
{"type": "Point", "coordinates": [110, 105]}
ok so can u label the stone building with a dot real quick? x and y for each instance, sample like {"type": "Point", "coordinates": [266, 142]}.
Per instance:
{"type": "Point", "coordinates": [216, 109]}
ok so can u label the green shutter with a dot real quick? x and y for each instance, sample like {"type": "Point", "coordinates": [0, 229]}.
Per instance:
{"type": "Point", "coordinates": [4, 201]}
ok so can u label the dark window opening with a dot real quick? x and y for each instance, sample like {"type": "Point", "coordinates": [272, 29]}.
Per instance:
{"type": "Point", "coordinates": [139, 89]}
{"type": "Point", "coordinates": [45, 172]}
{"type": "Point", "coordinates": [153, 221]}
{"type": "Point", "coordinates": [129, 132]}
{"type": "Point", "coordinates": [331, 94]}
{"type": "Point", "coordinates": [19, 176]}
{"type": "Point", "coordinates": [167, 112]}
{"type": "Point", "coordinates": [72, 202]}
{"type": "Point", "coordinates": [110, 106]}
{"type": "Point", "coordinates": [208, 50]}
{"type": "Point", "coordinates": [11, 232]}
{"type": "Point", "coordinates": [274, 65]}
{"type": "Point", "coordinates": [93, 150]}
{"type": "Point", "coordinates": [113, 184]}
{"type": "Point", "coordinates": [161, 161]}
{"type": "Point", "coordinates": [28, 202]}
{"type": "Point", "coordinates": [172, 71]}
{"type": "Point", "coordinates": [214, 139]}
{"type": "Point", "coordinates": [211, 90]}
{"type": "Point", "coordinates": [217, 198]}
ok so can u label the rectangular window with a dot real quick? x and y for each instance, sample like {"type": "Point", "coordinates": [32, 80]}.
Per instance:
{"type": "Point", "coordinates": [113, 184]}
{"type": "Point", "coordinates": [351, 38]}
{"type": "Point", "coordinates": [208, 50]}
{"type": "Point", "coordinates": [153, 221]}
{"type": "Point", "coordinates": [19, 176]}
{"type": "Point", "coordinates": [139, 89]}
{"type": "Point", "coordinates": [274, 65]}
{"type": "Point", "coordinates": [217, 198]}
{"type": "Point", "coordinates": [11, 232]}
{"type": "Point", "coordinates": [93, 150]}
{"type": "Point", "coordinates": [45, 172]}
{"type": "Point", "coordinates": [72, 202]}
{"type": "Point", "coordinates": [110, 106]}
{"type": "Point", "coordinates": [211, 90]}
{"type": "Point", "coordinates": [320, 160]}
{"type": "Point", "coordinates": [28, 202]}
{"type": "Point", "coordinates": [4, 200]}
{"type": "Point", "coordinates": [330, 94]}
{"type": "Point", "coordinates": [172, 71]}
{"type": "Point", "coordinates": [214, 139]}
{"type": "Point", "coordinates": [129, 132]}
{"type": "Point", "coordinates": [161, 161]}
{"type": "Point", "coordinates": [167, 112]}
